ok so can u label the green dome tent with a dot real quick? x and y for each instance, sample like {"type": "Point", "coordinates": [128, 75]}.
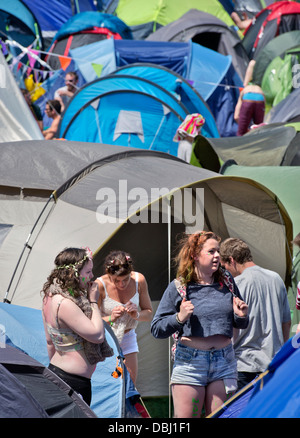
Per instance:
{"type": "Point", "coordinates": [284, 183]}
{"type": "Point", "coordinates": [146, 16]}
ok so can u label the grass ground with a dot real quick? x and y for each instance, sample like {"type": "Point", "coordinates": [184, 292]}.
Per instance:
{"type": "Point", "coordinates": [158, 407]}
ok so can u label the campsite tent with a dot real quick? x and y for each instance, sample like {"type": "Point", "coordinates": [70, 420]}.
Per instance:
{"type": "Point", "coordinates": [178, 86]}
{"type": "Point", "coordinates": [273, 393]}
{"type": "Point", "coordinates": [108, 197]}
{"type": "Point", "coordinates": [283, 182]}
{"type": "Point", "coordinates": [275, 19]}
{"type": "Point", "coordinates": [16, 120]}
{"type": "Point", "coordinates": [277, 394]}
{"type": "Point", "coordinates": [22, 328]}
{"type": "Point", "coordinates": [287, 110]}
{"type": "Point", "coordinates": [276, 47]}
{"type": "Point", "coordinates": [18, 23]}
{"type": "Point", "coordinates": [52, 14]}
{"type": "Point", "coordinates": [146, 16]}
{"type": "Point", "coordinates": [124, 110]}
{"type": "Point", "coordinates": [209, 31]}
{"type": "Point", "coordinates": [82, 29]}
{"type": "Point", "coordinates": [270, 145]}
{"type": "Point", "coordinates": [30, 390]}
{"type": "Point", "coordinates": [211, 73]}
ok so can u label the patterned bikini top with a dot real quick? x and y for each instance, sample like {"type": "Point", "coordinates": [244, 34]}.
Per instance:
{"type": "Point", "coordinates": [64, 339]}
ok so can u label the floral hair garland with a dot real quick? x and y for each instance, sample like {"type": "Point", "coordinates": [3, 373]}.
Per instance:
{"type": "Point", "coordinates": [88, 255]}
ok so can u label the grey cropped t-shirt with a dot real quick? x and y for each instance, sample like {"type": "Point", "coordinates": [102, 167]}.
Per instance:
{"type": "Point", "coordinates": [213, 312]}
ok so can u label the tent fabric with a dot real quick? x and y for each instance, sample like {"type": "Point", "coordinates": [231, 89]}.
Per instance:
{"type": "Point", "coordinates": [88, 20]}
{"type": "Point", "coordinates": [287, 110]}
{"type": "Point", "coordinates": [209, 31]}
{"type": "Point", "coordinates": [59, 199]}
{"type": "Point", "coordinates": [274, 145]}
{"type": "Point", "coordinates": [19, 23]}
{"type": "Point", "coordinates": [283, 181]}
{"type": "Point", "coordinates": [276, 398]}
{"type": "Point", "coordinates": [276, 47]}
{"type": "Point", "coordinates": [210, 73]}
{"type": "Point", "coordinates": [102, 104]}
{"type": "Point", "coordinates": [84, 29]}
{"type": "Point", "coordinates": [277, 82]}
{"type": "Point", "coordinates": [275, 19]}
{"type": "Point", "coordinates": [52, 14]}
{"type": "Point", "coordinates": [111, 397]}
{"type": "Point", "coordinates": [146, 16]}
{"type": "Point", "coordinates": [30, 390]}
{"type": "Point", "coordinates": [266, 396]}
{"type": "Point", "coordinates": [177, 85]}
{"type": "Point", "coordinates": [16, 120]}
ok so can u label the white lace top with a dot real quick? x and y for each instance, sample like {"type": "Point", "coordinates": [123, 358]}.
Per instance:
{"type": "Point", "coordinates": [125, 322]}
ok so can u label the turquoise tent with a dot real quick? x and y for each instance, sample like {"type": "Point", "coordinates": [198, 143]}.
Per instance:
{"type": "Point", "coordinates": [18, 23]}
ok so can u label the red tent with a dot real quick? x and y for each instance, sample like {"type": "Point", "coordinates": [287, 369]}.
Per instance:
{"type": "Point", "coordinates": [275, 19]}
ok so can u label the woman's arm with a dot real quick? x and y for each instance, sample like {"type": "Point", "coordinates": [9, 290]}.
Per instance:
{"type": "Point", "coordinates": [72, 316]}
{"type": "Point", "coordinates": [146, 311]}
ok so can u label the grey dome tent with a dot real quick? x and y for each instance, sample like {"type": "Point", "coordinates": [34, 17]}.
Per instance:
{"type": "Point", "coordinates": [101, 196]}
{"type": "Point", "coordinates": [208, 31]}
{"type": "Point", "coordinates": [30, 390]}
{"type": "Point", "coordinates": [270, 145]}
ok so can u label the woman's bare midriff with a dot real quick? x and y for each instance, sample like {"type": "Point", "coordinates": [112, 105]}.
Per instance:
{"type": "Point", "coordinates": [209, 343]}
{"type": "Point", "coordinates": [73, 362]}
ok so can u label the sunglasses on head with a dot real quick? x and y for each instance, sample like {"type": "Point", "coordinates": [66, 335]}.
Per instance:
{"type": "Point", "coordinates": [114, 268]}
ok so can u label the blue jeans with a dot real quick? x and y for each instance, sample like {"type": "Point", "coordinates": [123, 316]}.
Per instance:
{"type": "Point", "coordinates": [201, 367]}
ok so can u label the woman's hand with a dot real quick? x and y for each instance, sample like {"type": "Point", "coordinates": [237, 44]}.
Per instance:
{"type": "Point", "coordinates": [240, 308]}
{"type": "Point", "coordinates": [186, 310]}
{"type": "Point", "coordinates": [116, 313]}
{"type": "Point", "coordinates": [132, 309]}
{"type": "Point", "coordinates": [93, 292]}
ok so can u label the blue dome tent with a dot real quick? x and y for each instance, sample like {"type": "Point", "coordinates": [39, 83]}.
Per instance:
{"type": "Point", "coordinates": [18, 23]}
{"type": "Point", "coordinates": [210, 73]}
{"type": "Point", "coordinates": [177, 85]}
{"type": "Point", "coordinates": [124, 110]}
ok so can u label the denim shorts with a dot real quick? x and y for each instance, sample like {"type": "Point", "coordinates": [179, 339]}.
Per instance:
{"type": "Point", "coordinates": [201, 367]}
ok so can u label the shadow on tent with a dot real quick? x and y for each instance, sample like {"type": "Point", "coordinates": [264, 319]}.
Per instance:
{"type": "Point", "coordinates": [112, 397]}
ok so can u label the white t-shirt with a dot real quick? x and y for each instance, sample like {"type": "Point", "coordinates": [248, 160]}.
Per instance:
{"type": "Point", "coordinates": [265, 293]}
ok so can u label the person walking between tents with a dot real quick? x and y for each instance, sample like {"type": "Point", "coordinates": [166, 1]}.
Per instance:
{"type": "Point", "coordinates": [202, 305]}
{"type": "Point", "coordinates": [250, 106]}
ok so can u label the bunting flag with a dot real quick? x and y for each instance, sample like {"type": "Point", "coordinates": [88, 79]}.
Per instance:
{"type": "Point", "coordinates": [64, 62]}
{"type": "Point", "coordinates": [97, 68]}
{"type": "Point", "coordinates": [32, 59]}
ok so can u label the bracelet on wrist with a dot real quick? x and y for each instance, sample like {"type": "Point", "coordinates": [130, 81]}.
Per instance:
{"type": "Point", "coordinates": [93, 302]}
{"type": "Point", "coordinates": [137, 315]}
{"type": "Point", "coordinates": [110, 321]}
{"type": "Point", "coordinates": [178, 320]}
